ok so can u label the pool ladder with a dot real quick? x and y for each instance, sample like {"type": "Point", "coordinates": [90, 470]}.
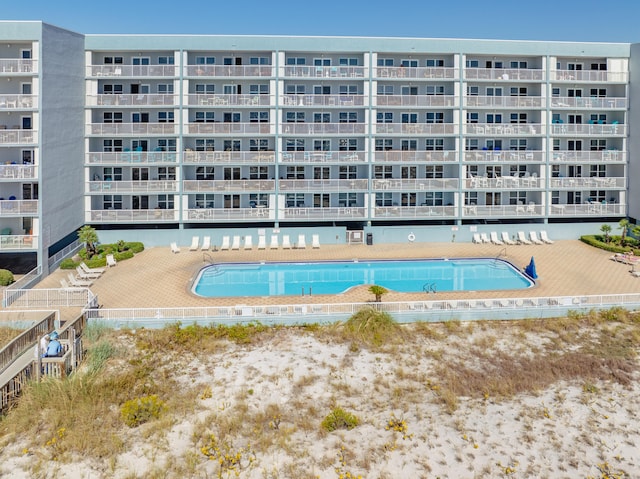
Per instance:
{"type": "Point", "coordinates": [430, 288]}
{"type": "Point", "coordinates": [207, 258]}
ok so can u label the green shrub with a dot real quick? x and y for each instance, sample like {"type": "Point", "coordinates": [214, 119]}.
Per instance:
{"type": "Point", "coordinates": [68, 263]}
{"type": "Point", "coordinates": [613, 246]}
{"type": "Point", "coordinates": [140, 410]}
{"type": "Point", "coordinates": [123, 255]}
{"type": "Point", "coordinates": [135, 246]}
{"type": "Point", "coordinates": [339, 419]}
{"type": "Point", "coordinates": [6, 277]}
{"type": "Point", "coordinates": [372, 327]}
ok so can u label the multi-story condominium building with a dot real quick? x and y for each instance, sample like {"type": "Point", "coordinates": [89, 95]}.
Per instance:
{"type": "Point", "coordinates": [381, 136]}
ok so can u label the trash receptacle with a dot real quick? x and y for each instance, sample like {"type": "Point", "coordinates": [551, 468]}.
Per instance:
{"type": "Point", "coordinates": [369, 239]}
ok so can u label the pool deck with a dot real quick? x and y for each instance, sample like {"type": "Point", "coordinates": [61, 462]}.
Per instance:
{"type": "Point", "coordinates": [158, 278]}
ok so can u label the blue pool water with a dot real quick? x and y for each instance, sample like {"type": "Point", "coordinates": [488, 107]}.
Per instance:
{"type": "Point", "coordinates": [332, 277]}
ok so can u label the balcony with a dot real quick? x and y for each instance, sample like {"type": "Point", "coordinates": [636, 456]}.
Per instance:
{"type": "Point", "coordinates": [415, 184]}
{"type": "Point", "coordinates": [323, 185]}
{"type": "Point", "coordinates": [592, 76]}
{"type": "Point", "coordinates": [416, 100]}
{"type": "Point", "coordinates": [338, 72]}
{"type": "Point", "coordinates": [311, 157]}
{"type": "Point", "coordinates": [18, 137]}
{"type": "Point", "coordinates": [132, 129]}
{"type": "Point", "coordinates": [229, 128]}
{"type": "Point", "coordinates": [18, 102]}
{"type": "Point", "coordinates": [132, 216]}
{"type": "Point", "coordinates": [323, 100]}
{"type": "Point", "coordinates": [132, 100]}
{"type": "Point", "coordinates": [587, 209]}
{"type": "Point", "coordinates": [399, 156]}
{"type": "Point", "coordinates": [18, 242]}
{"type": "Point", "coordinates": [18, 207]}
{"type": "Point", "coordinates": [148, 186]}
{"type": "Point", "coordinates": [131, 71]}
{"type": "Point", "coordinates": [230, 70]}
{"type": "Point", "coordinates": [526, 74]}
{"type": "Point", "coordinates": [224, 186]}
{"type": "Point", "coordinates": [18, 172]}
{"type": "Point", "coordinates": [504, 101]}
{"type": "Point", "coordinates": [323, 128]}
{"type": "Point", "coordinates": [416, 128]}
{"type": "Point", "coordinates": [439, 73]}
{"type": "Point", "coordinates": [126, 157]}
{"type": "Point", "coordinates": [493, 129]}
{"type": "Point", "coordinates": [601, 103]}
{"type": "Point", "coordinates": [578, 129]}
{"type": "Point", "coordinates": [527, 182]}
{"type": "Point", "coordinates": [589, 156]}
{"type": "Point", "coordinates": [502, 211]}
{"type": "Point", "coordinates": [18, 65]}
{"type": "Point", "coordinates": [323, 214]}
{"type": "Point", "coordinates": [490, 156]}
{"type": "Point", "coordinates": [413, 212]}
{"type": "Point", "coordinates": [229, 157]}
{"type": "Point", "coordinates": [589, 182]}
{"type": "Point", "coordinates": [227, 214]}
{"type": "Point", "coordinates": [230, 100]}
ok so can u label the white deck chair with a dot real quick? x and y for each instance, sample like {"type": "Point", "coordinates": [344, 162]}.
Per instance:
{"type": "Point", "coordinates": [195, 241]}
{"type": "Point", "coordinates": [111, 261]}
{"type": "Point", "coordinates": [506, 239]}
{"type": "Point", "coordinates": [92, 270]}
{"type": "Point", "coordinates": [274, 242]}
{"type": "Point", "coordinates": [262, 242]}
{"type": "Point", "coordinates": [206, 243]}
{"type": "Point", "coordinates": [78, 283]}
{"type": "Point", "coordinates": [545, 238]}
{"type": "Point", "coordinates": [84, 275]}
{"type": "Point", "coordinates": [248, 242]}
{"type": "Point", "coordinates": [533, 236]}
{"type": "Point", "coordinates": [522, 238]}
{"type": "Point", "coordinates": [174, 249]}
{"type": "Point", "coordinates": [484, 238]}
{"type": "Point", "coordinates": [302, 242]}
{"type": "Point", "coordinates": [476, 238]}
{"type": "Point", "coordinates": [315, 241]}
{"type": "Point", "coordinates": [236, 243]}
{"type": "Point", "coordinates": [286, 242]}
{"type": "Point", "coordinates": [225, 243]}
{"type": "Point", "coordinates": [495, 239]}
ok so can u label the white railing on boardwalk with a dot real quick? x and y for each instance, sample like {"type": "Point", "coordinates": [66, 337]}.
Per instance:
{"type": "Point", "coordinates": [406, 311]}
{"type": "Point", "coordinates": [67, 251]}
{"type": "Point", "coordinates": [24, 283]}
{"type": "Point", "coordinates": [48, 298]}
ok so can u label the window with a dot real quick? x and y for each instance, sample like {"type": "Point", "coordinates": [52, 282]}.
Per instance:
{"type": "Point", "coordinates": [492, 91]}
{"type": "Point", "coordinates": [384, 199]}
{"type": "Point", "coordinates": [295, 173]}
{"type": "Point", "coordinates": [321, 200]}
{"type": "Point", "coordinates": [409, 145]}
{"type": "Point", "coordinates": [598, 145]}
{"type": "Point", "coordinates": [294, 144]}
{"type": "Point", "coordinates": [518, 117]}
{"type": "Point", "coordinates": [140, 145]}
{"type": "Point", "coordinates": [231, 173]}
{"type": "Point", "coordinates": [140, 61]}
{"type": "Point", "coordinates": [471, 144]}
{"type": "Point", "coordinates": [113, 60]}
{"type": "Point", "coordinates": [493, 64]}
{"type": "Point", "coordinates": [382, 171]}
{"type": "Point", "coordinates": [555, 197]}
{"type": "Point", "coordinates": [409, 118]}
{"type": "Point", "coordinates": [555, 92]}
{"type": "Point", "coordinates": [517, 64]}
{"type": "Point", "coordinates": [296, 61]}
{"type": "Point", "coordinates": [321, 145]}
{"type": "Point", "coordinates": [166, 172]}
{"type": "Point", "coordinates": [385, 89]}
{"type": "Point", "coordinates": [205, 144]}
{"type": "Point", "coordinates": [109, 89]}
{"type": "Point", "coordinates": [384, 117]}
{"type": "Point", "coordinates": [599, 66]}
{"type": "Point", "coordinates": [322, 117]}
{"type": "Point", "coordinates": [322, 90]}
{"type": "Point", "coordinates": [384, 144]}
{"type": "Point", "coordinates": [165, 88]}
{"type": "Point", "coordinates": [259, 61]}
{"type": "Point", "coordinates": [231, 201]}
{"type": "Point", "coordinates": [472, 170]}
{"type": "Point", "coordinates": [435, 117]}
{"type": "Point", "coordinates": [574, 66]}
{"type": "Point", "coordinates": [205, 60]}
{"type": "Point", "coordinates": [165, 117]}
{"type": "Point", "coordinates": [261, 199]}
{"type": "Point", "coordinates": [348, 117]}
{"type": "Point", "coordinates": [472, 117]}
{"type": "Point", "coordinates": [231, 89]}
{"type": "Point", "coordinates": [494, 171]}
{"type": "Point", "coordinates": [258, 172]}
{"type": "Point", "coordinates": [321, 172]}
{"type": "Point", "coordinates": [347, 199]}
{"type": "Point", "coordinates": [600, 119]}
{"type": "Point", "coordinates": [433, 198]}
{"type": "Point", "coordinates": [166, 60]}
{"type": "Point", "coordinates": [140, 117]}
{"type": "Point", "coordinates": [574, 145]}
{"type": "Point", "coordinates": [598, 196]}
{"type": "Point", "coordinates": [470, 197]}
{"type": "Point", "coordinates": [409, 90]}
{"type": "Point", "coordinates": [111, 145]}
{"type": "Point", "coordinates": [494, 144]}
{"type": "Point", "coordinates": [556, 144]}
{"type": "Point", "coordinates": [347, 144]}
{"type": "Point", "coordinates": [322, 62]}
{"type": "Point", "coordinates": [472, 63]}
{"type": "Point", "coordinates": [112, 202]}
{"type": "Point", "coordinates": [517, 197]}
{"type": "Point", "coordinates": [348, 89]}
{"type": "Point", "coordinates": [347, 173]}
{"type": "Point", "coordinates": [574, 93]}
{"type": "Point", "coordinates": [205, 173]}
{"type": "Point", "coordinates": [439, 90]}
{"type": "Point", "coordinates": [472, 90]}
{"type": "Point", "coordinates": [518, 91]}
{"type": "Point", "coordinates": [294, 117]}
{"type": "Point", "coordinates": [204, 200]}
{"type": "Point", "coordinates": [260, 89]}
{"type": "Point", "coordinates": [385, 62]}
{"type": "Point", "coordinates": [555, 171]}
{"type": "Point", "coordinates": [295, 90]}
{"type": "Point", "coordinates": [409, 172]}
{"type": "Point", "coordinates": [258, 144]}
{"type": "Point", "coordinates": [112, 174]}
{"type": "Point", "coordinates": [259, 116]}
{"type": "Point", "coordinates": [409, 63]}
{"type": "Point", "coordinates": [231, 61]}
{"type": "Point", "coordinates": [434, 62]}
{"type": "Point", "coordinates": [231, 145]}
{"type": "Point", "coordinates": [517, 170]}
{"type": "Point", "coordinates": [167, 144]}
{"type": "Point", "coordinates": [598, 92]}
{"type": "Point", "coordinates": [348, 62]}
{"type": "Point", "coordinates": [434, 171]}
{"type": "Point", "coordinates": [25, 54]}
{"type": "Point", "coordinates": [494, 117]}
{"type": "Point", "coordinates": [205, 116]}
{"type": "Point", "coordinates": [518, 144]}
{"type": "Point", "coordinates": [435, 144]}
{"type": "Point", "coordinates": [599, 171]}
{"type": "Point", "coordinates": [112, 117]}
{"type": "Point", "coordinates": [205, 88]}
{"type": "Point", "coordinates": [408, 199]}
{"type": "Point", "coordinates": [231, 117]}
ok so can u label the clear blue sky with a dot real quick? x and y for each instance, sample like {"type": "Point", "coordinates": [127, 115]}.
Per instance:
{"type": "Point", "coordinates": [567, 20]}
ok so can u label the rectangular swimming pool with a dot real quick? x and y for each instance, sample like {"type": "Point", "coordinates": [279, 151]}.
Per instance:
{"type": "Point", "coordinates": [334, 277]}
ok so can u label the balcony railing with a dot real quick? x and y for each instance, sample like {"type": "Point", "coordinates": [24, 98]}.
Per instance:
{"type": "Point", "coordinates": [18, 102]}
{"type": "Point", "coordinates": [416, 100]}
{"type": "Point", "coordinates": [589, 156]}
{"type": "Point", "coordinates": [18, 207]}
{"type": "Point", "coordinates": [227, 214]}
{"type": "Point", "coordinates": [417, 128]}
{"type": "Point", "coordinates": [589, 76]}
{"type": "Point", "coordinates": [415, 184]}
{"type": "Point", "coordinates": [132, 129]}
{"type": "Point", "coordinates": [328, 214]}
{"type": "Point", "coordinates": [231, 70]}
{"type": "Point", "coordinates": [505, 101]}
{"type": "Point", "coordinates": [129, 216]}
{"type": "Point", "coordinates": [18, 242]}
{"type": "Point", "coordinates": [336, 71]}
{"type": "Point", "coordinates": [322, 156]}
{"type": "Point", "coordinates": [504, 156]}
{"type": "Point", "coordinates": [241, 186]}
{"type": "Point", "coordinates": [146, 99]}
{"type": "Point", "coordinates": [327, 185]}
{"type": "Point", "coordinates": [502, 129]}
{"type": "Point", "coordinates": [233, 100]}
{"type": "Point", "coordinates": [323, 128]}
{"type": "Point", "coordinates": [18, 65]}
{"type": "Point", "coordinates": [124, 157]}
{"type": "Point", "coordinates": [229, 128]}
{"type": "Point", "coordinates": [604, 103]}
{"type": "Point", "coordinates": [131, 70]}
{"type": "Point", "coordinates": [18, 137]}
{"type": "Point", "coordinates": [530, 181]}
{"type": "Point", "coordinates": [148, 186]}
{"type": "Point", "coordinates": [323, 100]}
{"type": "Point", "coordinates": [590, 182]}
{"type": "Point", "coordinates": [574, 129]}
{"type": "Point", "coordinates": [528, 74]}
{"type": "Point", "coordinates": [500, 211]}
{"type": "Point", "coordinates": [398, 156]}
{"type": "Point", "coordinates": [18, 172]}
{"type": "Point", "coordinates": [239, 157]}
{"type": "Point", "coordinates": [413, 212]}
{"type": "Point", "coordinates": [416, 72]}
{"type": "Point", "coordinates": [588, 209]}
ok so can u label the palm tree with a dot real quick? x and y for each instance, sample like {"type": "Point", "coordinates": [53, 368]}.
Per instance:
{"type": "Point", "coordinates": [89, 237]}
{"type": "Point", "coordinates": [606, 229]}
{"type": "Point", "coordinates": [378, 291]}
{"type": "Point", "coordinates": [624, 226]}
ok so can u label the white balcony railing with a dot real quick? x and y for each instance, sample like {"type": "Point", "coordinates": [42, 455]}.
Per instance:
{"type": "Point", "coordinates": [413, 212]}
{"type": "Point", "coordinates": [416, 100]}
{"type": "Point", "coordinates": [18, 207]}
{"type": "Point", "coordinates": [146, 99]}
{"type": "Point", "coordinates": [604, 103]}
{"type": "Point", "coordinates": [131, 70]}
{"type": "Point", "coordinates": [486, 156]}
{"type": "Point", "coordinates": [241, 186]}
{"type": "Point", "coordinates": [529, 181]}
{"type": "Point", "coordinates": [502, 129]}
{"type": "Point", "coordinates": [600, 183]}
{"type": "Point", "coordinates": [148, 186]}
{"type": "Point", "coordinates": [589, 156]}
{"type": "Point", "coordinates": [197, 157]}
{"type": "Point", "coordinates": [227, 214]}
{"type": "Point", "coordinates": [589, 76]}
{"type": "Point", "coordinates": [417, 128]}
{"type": "Point", "coordinates": [18, 242]}
{"type": "Point", "coordinates": [18, 65]}
{"type": "Point", "coordinates": [588, 209]}
{"type": "Point", "coordinates": [230, 100]}
{"type": "Point", "coordinates": [528, 74]}
{"type": "Point", "coordinates": [399, 156]}
{"type": "Point", "coordinates": [130, 216]}
{"type": "Point", "coordinates": [18, 137]}
{"type": "Point", "coordinates": [336, 71]}
{"type": "Point", "coordinates": [322, 156]}
{"type": "Point", "coordinates": [328, 185]}
{"type": "Point", "coordinates": [574, 129]}
{"type": "Point", "coordinates": [18, 102]}
{"type": "Point", "coordinates": [500, 211]}
{"type": "Point", "coordinates": [323, 128]}
{"type": "Point", "coordinates": [504, 101]}
{"type": "Point", "coordinates": [231, 70]}
{"type": "Point", "coordinates": [415, 184]}
{"type": "Point", "coordinates": [323, 100]}
{"type": "Point", "coordinates": [18, 172]}
{"type": "Point", "coordinates": [229, 128]}
{"type": "Point", "coordinates": [329, 214]}
{"type": "Point", "coordinates": [416, 72]}
{"type": "Point", "coordinates": [132, 129]}
{"type": "Point", "coordinates": [124, 157]}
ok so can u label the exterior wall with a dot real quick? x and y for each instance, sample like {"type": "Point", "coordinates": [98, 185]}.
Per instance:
{"type": "Point", "coordinates": [634, 134]}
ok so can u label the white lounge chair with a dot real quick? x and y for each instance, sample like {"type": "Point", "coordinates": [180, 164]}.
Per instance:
{"type": "Point", "coordinates": [302, 242]}
{"type": "Point", "coordinates": [286, 242]}
{"type": "Point", "coordinates": [92, 270]}
{"type": "Point", "coordinates": [315, 241]}
{"type": "Point", "coordinates": [533, 236]}
{"type": "Point", "coordinates": [522, 238]}
{"type": "Point", "coordinates": [476, 238]}
{"type": "Point", "coordinates": [82, 274]}
{"type": "Point", "coordinates": [262, 242]}
{"type": "Point", "coordinates": [495, 239]}
{"type": "Point", "coordinates": [484, 238]}
{"type": "Point", "coordinates": [274, 242]}
{"type": "Point", "coordinates": [206, 243]}
{"type": "Point", "coordinates": [79, 283]}
{"type": "Point", "coordinates": [248, 242]}
{"type": "Point", "coordinates": [195, 241]}
{"type": "Point", "coordinates": [235, 245]}
{"type": "Point", "coordinates": [174, 248]}
{"type": "Point", "coordinates": [545, 238]}
{"type": "Point", "coordinates": [506, 239]}
{"type": "Point", "coordinates": [111, 261]}
{"type": "Point", "coordinates": [225, 243]}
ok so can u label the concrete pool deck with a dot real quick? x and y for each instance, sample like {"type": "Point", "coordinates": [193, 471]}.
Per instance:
{"type": "Point", "coordinates": [158, 278]}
